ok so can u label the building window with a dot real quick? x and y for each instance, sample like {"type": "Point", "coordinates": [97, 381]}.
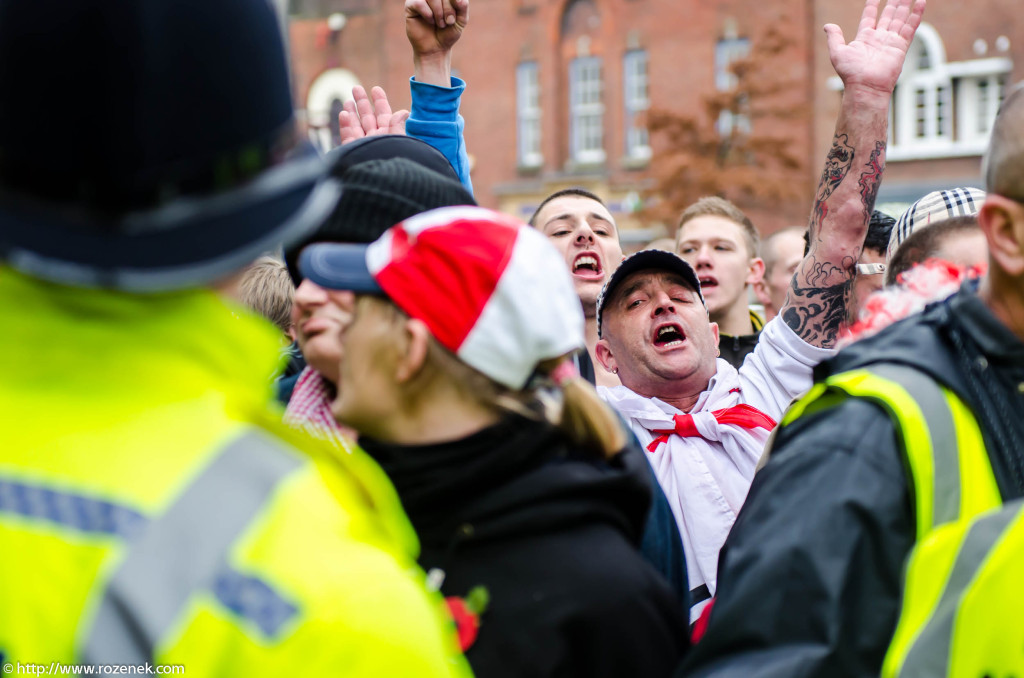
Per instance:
{"type": "Point", "coordinates": [944, 109]}
{"type": "Point", "coordinates": [637, 98]}
{"type": "Point", "coordinates": [984, 95]}
{"type": "Point", "coordinates": [586, 111]}
{"type": "Point", "coordinates": [728, 51]}
{"type": "Point", "coordinates": [920, 114]}
{"type": "Point", "coordinates": [981, 98]}
{"type": "Point", "coordinates": [528, 115]}
{"type": "Point", "coordinates": [943, 112]}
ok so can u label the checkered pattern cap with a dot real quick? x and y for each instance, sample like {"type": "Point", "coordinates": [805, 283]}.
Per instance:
{"type": "Point", "coordinates": [936, 206]}
{"type": "Point", "coordinates": [492, 290]}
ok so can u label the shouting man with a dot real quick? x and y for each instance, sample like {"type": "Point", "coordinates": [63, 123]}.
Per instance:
{"type": "Point", "coordinates": [705, 423]}
{"type": "Point", "coordinates": [581, 227]}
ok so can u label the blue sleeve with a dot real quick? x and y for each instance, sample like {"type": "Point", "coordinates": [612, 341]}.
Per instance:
{"type": "Point", "coordinates": [435, 119]}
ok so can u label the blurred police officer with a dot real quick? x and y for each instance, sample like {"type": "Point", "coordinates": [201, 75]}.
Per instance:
{"type": "Point", "coordinates": [150, 510]}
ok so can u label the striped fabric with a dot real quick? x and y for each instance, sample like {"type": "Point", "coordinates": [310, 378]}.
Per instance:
{"type": "Point", "coordinates": [310, 410]}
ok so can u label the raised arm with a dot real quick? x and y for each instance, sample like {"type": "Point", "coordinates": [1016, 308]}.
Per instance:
{"type": "Point", "coordinates": [362, 117]}
{"type": "Point", "coordinates": [869, 66]}
{"type": "Point", "coordinates": [433, 27]}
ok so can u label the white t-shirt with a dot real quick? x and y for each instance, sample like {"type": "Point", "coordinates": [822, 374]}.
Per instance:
{"type": "Point", "coordinates": [706, 477]}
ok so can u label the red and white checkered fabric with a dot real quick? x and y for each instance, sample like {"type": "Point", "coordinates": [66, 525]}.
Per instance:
{"type": "Point", "coordinates": [309, 409]}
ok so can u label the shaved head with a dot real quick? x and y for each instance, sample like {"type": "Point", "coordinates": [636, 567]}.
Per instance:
{"type": "Point", "coordinates": [769, 246]}
{"type": "Point", "coordinates": [1004, 162]}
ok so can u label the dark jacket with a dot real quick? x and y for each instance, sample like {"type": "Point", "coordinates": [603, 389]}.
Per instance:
{"type": "Point", "coordinates": [810, 577]}
{"type": "Point", "coordinates": [285, 384]}
{"type": "Point", "coordinates": [660, 543]}
{"type": "Point", "coordinates": [734, 350]}
{"type": "Point", "coordinates": [553, 537]}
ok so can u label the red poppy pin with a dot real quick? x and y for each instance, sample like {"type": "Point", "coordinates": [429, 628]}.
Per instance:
{"type": "Point", "coordinates": [466, 612]}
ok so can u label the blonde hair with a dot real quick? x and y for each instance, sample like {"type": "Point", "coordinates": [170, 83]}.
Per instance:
{"type": "Point", "coordinates": [267, 288]}
{"type": "Point", "coordinates": [714, 206]}
{"type": "Point", "coordinates": [572, 406]}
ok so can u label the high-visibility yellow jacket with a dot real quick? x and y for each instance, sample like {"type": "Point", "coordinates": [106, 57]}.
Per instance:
{"type": "Point", "coordinates": [152, 510]}
{"type": "Point", "coordinates": [962, 591]}
{"type": "Point", "coordinates": [884, 535]}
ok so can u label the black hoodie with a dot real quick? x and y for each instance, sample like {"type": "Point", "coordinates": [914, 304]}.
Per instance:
{"type": "Point", "coordinates": [553, 537]}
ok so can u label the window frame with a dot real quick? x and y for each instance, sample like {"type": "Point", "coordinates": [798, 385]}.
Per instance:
{"type": "Point", "coordinates": [529, 151]}
{"type": "Point", "coordinates": [636, 94]}
{"type": "Point", "coordinates": [728, 51]}
{"type": "Point", "coordinates": [945, 97]}
{"type": "Point", "coordinates": [586, 118]}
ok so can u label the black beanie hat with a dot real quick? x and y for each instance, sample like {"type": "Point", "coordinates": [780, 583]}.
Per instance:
{"type": "Point", "coordinates": [376, 195]}
{"type": "Point", "coordinates": [385, 147]}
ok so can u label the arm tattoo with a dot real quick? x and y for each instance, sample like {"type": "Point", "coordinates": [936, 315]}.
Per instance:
{"type": "Point", "coordinates": [816, 312]}
{"type": "Point", "coordinates": [837, 164]}
{"type": "Point", "coordinates": [871, 179]}
{"type": "Point", "coordinates": [819, 296]}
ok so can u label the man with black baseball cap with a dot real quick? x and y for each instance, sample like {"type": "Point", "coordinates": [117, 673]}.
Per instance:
{"type": "Point", "coordinates": [152, 511]}
{"type": "Point", "coordinates": [704, 422]}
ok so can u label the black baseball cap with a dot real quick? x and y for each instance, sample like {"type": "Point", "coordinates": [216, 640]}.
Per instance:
{"type": "Point", "coordinates": [647, 260]}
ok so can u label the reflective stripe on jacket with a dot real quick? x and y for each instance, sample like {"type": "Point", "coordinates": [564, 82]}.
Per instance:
{"type": "Point", "coordinates": [962, 572]}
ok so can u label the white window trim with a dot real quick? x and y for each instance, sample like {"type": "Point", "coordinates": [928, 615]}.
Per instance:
{"type": "Point", "coordinates": [955, 69]}
{"type": "Point", "coordinates": [727, 51]}
{"type": "Point", "coordinates": [528, 115]}
{"type": "Point", "coordinates": [969, 115]}
{"type": "Point", "coordinates": [979, 67]}
{"type": "Point", "coordinates": [336, 83]}
{"type": "Point", "coordinates": [590, 156]}
{"type": "Point", "coordinates": [635, 106]}
{"type": "Point", "coordinates": [963, 141]}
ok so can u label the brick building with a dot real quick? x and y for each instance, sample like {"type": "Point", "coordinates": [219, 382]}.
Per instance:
{"type": "Point", "coordinates": [954, 79]}
{"type": "Point", "coordinates": [558, 89]}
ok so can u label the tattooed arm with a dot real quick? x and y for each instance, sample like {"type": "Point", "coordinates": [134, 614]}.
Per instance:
{"type": "Point", "coordinates": [869, 67]}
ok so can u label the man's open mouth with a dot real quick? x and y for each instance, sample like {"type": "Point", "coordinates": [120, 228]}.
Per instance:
{"type": "Point", "coordinates": [669, 336]}
{"type": "Point", "coordinates": [707, 281]}
{"type": "Point", "coordinates": [588, 265]}
{"type": "Point", "coordinates": [312, 326]}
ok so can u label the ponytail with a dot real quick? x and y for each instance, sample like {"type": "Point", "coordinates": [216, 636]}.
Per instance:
{"type": "Point", "coordinates": [556, 393]}
{"type": "Point", "coordinates": [585, 419]}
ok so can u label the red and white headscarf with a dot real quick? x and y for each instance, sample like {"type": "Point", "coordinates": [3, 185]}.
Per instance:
{"type": "Point", "coordinates": [310, 410]}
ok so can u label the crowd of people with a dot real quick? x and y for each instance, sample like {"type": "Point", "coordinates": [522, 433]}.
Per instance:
{"type": "Point", "coordinates": [267, 413]}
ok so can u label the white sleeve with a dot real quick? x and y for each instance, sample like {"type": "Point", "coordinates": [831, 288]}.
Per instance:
{"type": "Point", "coordinates": [780, 369]}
